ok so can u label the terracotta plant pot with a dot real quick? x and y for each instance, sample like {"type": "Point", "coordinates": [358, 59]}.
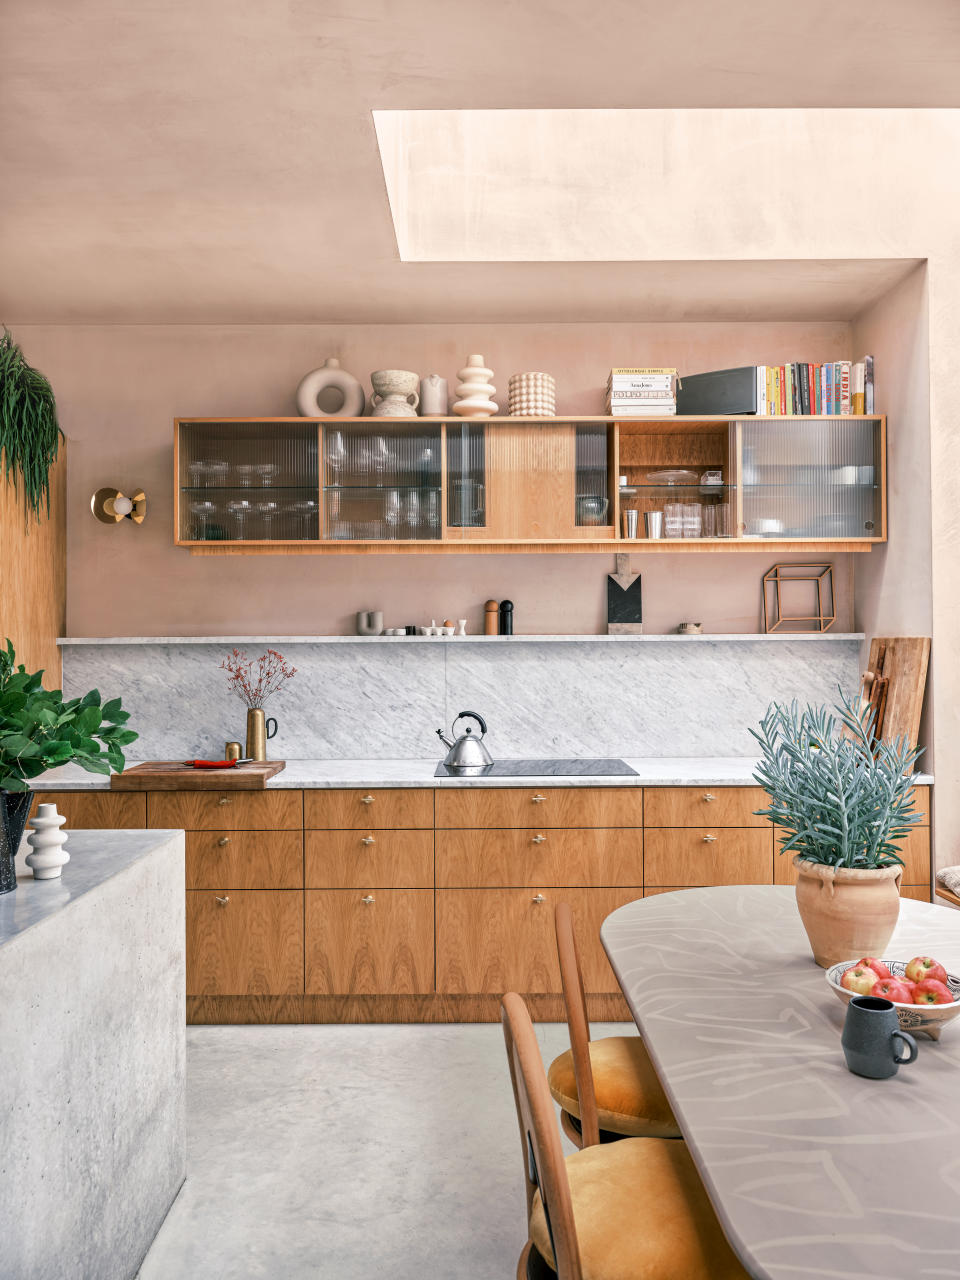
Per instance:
{"type": "Point", "coordinates": [847, 913]}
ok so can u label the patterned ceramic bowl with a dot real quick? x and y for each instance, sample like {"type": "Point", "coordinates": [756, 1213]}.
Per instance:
{"type": "Point", "coordinates": [928, 1018]}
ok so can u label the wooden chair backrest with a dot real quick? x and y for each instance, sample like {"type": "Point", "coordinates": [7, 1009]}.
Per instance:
{"type": "Point", "coordinates": [575, 1002]}
{"type": "Point", "coordinates": [543, 1163]}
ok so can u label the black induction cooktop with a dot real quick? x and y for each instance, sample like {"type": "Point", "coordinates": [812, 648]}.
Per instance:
{"type": "Point", "coordinates": [539, 768]}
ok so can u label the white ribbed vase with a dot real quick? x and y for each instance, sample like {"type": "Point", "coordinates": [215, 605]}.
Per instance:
{"type": "Point", "coordinates": [47, 854]}
{"type": "Point", "coordinates": [475, 390]}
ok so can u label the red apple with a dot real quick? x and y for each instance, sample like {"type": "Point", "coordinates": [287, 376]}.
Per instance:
{"type": "Point", "coordinates": [859, 979]}
{"type": "Point", "coordinates": [931, 991]}
{"type": "Point", "coordinates": [921, 967]}
{"type": "Point", "coordinates": [878, 967]}
{"type": "Point", "coordinates": [893, 989]}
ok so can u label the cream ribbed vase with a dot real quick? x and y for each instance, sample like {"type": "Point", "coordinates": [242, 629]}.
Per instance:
{"type": "Point", "coordinates": [46, 841]}
{"type": "Point", "coordinates": [475, 390]}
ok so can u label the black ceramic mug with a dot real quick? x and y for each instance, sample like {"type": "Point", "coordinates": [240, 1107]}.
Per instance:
{"type": "Point", "coordinates": [872, 1040]}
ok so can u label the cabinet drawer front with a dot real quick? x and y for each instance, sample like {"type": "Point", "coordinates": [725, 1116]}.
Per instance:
{"type": "Point", "coordinates": [529, 856]}
{"type": "Point", "coordinates": [704, 806]}
{"type": "Point", "coordinates": [919, 892]}
{"type": "Point", "coordinates": [495, 940]}
{"type": "Point", "coordinates": [252, 944]}
{"type": "Point", "coordinates": [915, 852]}
{"type": "Point", "coordinates": [384, 859]}
{"type": "Point", "coordinates": [544, 806]}
{"type": "Point", "coordinates": [96, 809]}
{"type": "Point", "coordinates": [216, 810]}
{"type": "Point", "coordinates": [359, 810]}
{"type": "Point", "coordinates": [244, 860]}
{"type": "Point", "coordinates": [701, 856]}
{"type": "Point", "coordinates": [380, 947]}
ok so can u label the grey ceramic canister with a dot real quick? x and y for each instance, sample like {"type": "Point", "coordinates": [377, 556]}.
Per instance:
{"type": "Point", "coordinates": [433, 396]}
{"type": "Point", "coordinates": [873, 1044]}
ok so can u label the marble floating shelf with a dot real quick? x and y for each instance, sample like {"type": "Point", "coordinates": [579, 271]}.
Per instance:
{"type": "Point", "coordinates": [729, 638]}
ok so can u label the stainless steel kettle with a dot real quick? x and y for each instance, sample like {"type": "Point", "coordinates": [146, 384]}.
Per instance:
{"type": "Point", "coordinates": [467, 753]}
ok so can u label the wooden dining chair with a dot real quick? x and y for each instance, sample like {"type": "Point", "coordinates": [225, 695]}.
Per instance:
{"type": "Point", "coordinates": [607, 1089]}
{"type": "Point", "coordinates": [631, 1210]}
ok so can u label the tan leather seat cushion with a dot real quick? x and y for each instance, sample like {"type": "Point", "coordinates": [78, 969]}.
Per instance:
{"type": "Point", "coordinates": [641, 1213]}
{"type": "Point", "coordinates": [630, 1097]}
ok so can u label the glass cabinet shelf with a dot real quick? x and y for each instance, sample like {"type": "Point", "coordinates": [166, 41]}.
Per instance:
{"type": "Point", "coordinates": [532, 485]}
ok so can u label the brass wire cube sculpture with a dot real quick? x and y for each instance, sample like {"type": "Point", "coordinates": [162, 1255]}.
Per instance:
{"type": "Point", "coordinates": [780, 576]}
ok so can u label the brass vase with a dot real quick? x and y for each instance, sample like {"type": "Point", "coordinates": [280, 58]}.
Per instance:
{"type": "Point", "coordinates": [259, 731]}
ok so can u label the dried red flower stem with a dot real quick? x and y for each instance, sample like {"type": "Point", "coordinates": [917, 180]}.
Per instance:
{"type": "Point", "coordinates": [254, 680]}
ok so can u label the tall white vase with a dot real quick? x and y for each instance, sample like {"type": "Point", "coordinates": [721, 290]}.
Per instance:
{"type": "Point", "coordinates": [47, 854]}
{"type": "Point", "coordinates": [475, 390]}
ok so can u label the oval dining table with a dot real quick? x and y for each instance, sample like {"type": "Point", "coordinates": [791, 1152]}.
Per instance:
{"type": "Point", "coordinates": [812, 1171]}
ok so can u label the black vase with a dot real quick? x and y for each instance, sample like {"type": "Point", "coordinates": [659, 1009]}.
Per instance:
{"type": "Point", "coordinates": [14, 808]}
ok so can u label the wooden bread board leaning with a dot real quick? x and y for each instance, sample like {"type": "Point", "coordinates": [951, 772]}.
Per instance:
{"type": "Point", "coordinates": [894, 684]}
{"type": "Point", "coordinates": [173, 775]}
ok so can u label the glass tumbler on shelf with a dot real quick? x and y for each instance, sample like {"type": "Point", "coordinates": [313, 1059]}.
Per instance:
{"type": "Point", "coordinates": [335, 453]}
{"type": "Point", "coordinates": [246, 472]}
{"type": "Point", "coordinates": [204, 512]}
{"type": "Point", "coordinates": [241, 510]}
{"type": "Point", "coordinates": [414, 514]}
{"type": "Point", "coordinates": [266, 471]}
{"type": "Point", "coordinates": [391, 511]}
{"type": "Point", "coordinates": [672, 520]}
{"type": "Point", "coordinates": [692, 523]}
{"type": "Point", "coordinates": [709, 521]}
{"type": "Point", "coordinates": [306, 512]}
{"type": "Point", "coordinates": [723, 520]}
{"type": "Point", "coordinates": [267, 511]}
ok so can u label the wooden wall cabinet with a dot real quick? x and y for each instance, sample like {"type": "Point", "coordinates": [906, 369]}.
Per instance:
{"type": "Point", "coordinates": [353, 485]}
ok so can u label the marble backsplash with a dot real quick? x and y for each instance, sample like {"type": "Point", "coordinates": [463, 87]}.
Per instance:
{"type": "Point", "coordinates": [384, 701]}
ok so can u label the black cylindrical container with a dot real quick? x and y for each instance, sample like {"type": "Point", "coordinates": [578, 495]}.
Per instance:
{"type": "Point", "coordinates": [506, 617]}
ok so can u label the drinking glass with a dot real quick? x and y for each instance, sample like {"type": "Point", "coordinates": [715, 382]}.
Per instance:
{"type": "Point", "coordinates": [380, 456]}
{"type": "Point", "coordinates": [241, 510]}
{"type": "Point", "coordinates": [723, 519]}
{"type": "Point", "coordinates": [691, 519]}
{"type": "Point", "coordinates": [433, 509]}
{"type": "Point", "coordinates": [709, 521]}
{"type": "Point", "coordinates": [672, 520]}
{"type": "Point", "coordinates": [335, 453]}
{"type": "Point", "coordinates": [265, 473]}
{"type": "Point", "coordinates": [414, 513]}
{"type": "Point", "coordinates": [267, 511]}
{"type": "Point", "coordinates": [391, 511]}
{"type": "Point", "coordinates": [245, 473]}
{"type": "Point", "coordinates": [306, 512]}
{"type": "Point", "coordinates": [204, 511]}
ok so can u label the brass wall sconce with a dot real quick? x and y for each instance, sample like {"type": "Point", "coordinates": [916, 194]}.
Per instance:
{"type": "Point", "coordinates": [110, 506]}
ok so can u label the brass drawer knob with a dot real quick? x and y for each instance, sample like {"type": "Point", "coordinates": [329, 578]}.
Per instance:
{"type": "Point", "coordinates": [708, 796]}
{"type": "Point", "coordinates": [224, 800]}
{"type": "Point", "coordinates": [223, 840]}
{"type": "Point", "coordinates": [224, 900]}
{"type": "Point", "coordinates": [368, 840]}
{"type": "Point", "coordinates": [539, 839]}
{"type": "Point", "coordinates": [367, 899]}
{"type": "Point", "coordinates": [367, 799]}
{"type": "Point", "coordinates": [538, 899]}
{"type": "Point", "coordinates": [538, 799]}
{"type": "Point", "coordinates": [709, 839]}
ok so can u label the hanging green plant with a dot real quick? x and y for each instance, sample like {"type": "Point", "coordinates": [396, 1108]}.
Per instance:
{"type": "Point", "coordinates": [29, 432]}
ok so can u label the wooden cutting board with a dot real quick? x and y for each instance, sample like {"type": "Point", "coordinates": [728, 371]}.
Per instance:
{"type": "Point", "coordinates": [174, 775]}
{"type": "Point", "coordinates": [905, 661]}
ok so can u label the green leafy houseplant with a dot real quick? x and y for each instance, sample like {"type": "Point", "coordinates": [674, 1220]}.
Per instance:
{"type": "Point", "coordinates": [841, 798]}
{"type": "Point", "coordinates": [29, 431]}
{"type": "Point", "coordinates": [39, 730]}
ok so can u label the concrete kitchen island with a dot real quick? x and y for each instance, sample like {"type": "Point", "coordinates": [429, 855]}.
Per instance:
{"type": "Point", "coordinates": [92, 1086]}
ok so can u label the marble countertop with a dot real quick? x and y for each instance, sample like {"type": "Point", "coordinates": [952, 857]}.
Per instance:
{"type": "Point", "coordinates": [807, 1165]}
{"type": "Point", "coordinates": [690, 771]}
{"type": "Point", "coordinates": [95, 856]}
{"type": "Point", "coordinates": [748, 637]}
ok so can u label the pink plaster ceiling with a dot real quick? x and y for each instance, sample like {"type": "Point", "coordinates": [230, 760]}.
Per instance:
{"type": "Point", "coordinates": [215, 160]}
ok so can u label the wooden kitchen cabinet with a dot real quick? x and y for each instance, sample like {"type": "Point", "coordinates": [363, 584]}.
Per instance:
{"type": "Point", "coordinates": [369, 942]}
{"type": "Point", "coordinates": [244, 943]}
{"type": "Point", "coordinates": [529, 856]}
{"type": "Point", "coordinates": [244, 860]}
{"type": "Point", "coordinates": [361, 810]}
{"type": "Point", "coordinates": [704, 807]}
{"type": "Point", "coordinates": [694, 856]}
{"type": "Point", "coordinates": [109, 810]}
{"type": "Point", "coordinates": [384, 859]}
{"type": "Point", "coordinates": [540, 806]}
{"type": "Point", "coordinates": [215, 810]}
{"type": "Point", "coordinates": [494, 940]}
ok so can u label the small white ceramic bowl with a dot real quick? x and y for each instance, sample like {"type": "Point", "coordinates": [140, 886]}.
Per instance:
{"type": "Point", "coordinates": [928, 1018]}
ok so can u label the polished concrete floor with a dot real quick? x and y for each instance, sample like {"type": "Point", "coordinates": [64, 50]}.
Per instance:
{"type": "Point", "coordinates": [349, 1153]}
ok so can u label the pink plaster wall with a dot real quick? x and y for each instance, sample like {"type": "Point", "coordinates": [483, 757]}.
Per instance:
{"type": "Point", "coordinates": [120, 387]}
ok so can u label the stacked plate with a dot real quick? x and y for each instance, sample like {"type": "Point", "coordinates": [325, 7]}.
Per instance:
{"type": "Point", "coordinates": [532, 395]}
